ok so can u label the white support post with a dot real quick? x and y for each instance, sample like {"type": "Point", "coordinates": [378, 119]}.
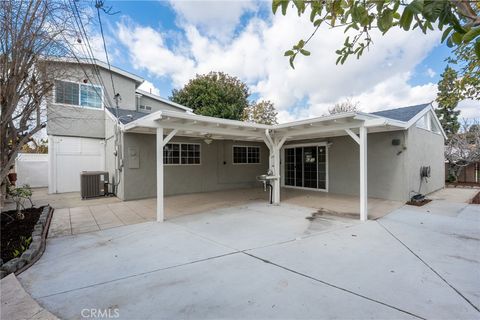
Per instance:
{"type": "Point", "coordinates": [160, 208]}
{"type": "Point", "coordinates": [276, 171]}
{"type": "Point", "coordinates": [363, 175]}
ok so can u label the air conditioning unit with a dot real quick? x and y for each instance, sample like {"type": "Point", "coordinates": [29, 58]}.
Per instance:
{"type": "Point", "coordinates": [93, 184]}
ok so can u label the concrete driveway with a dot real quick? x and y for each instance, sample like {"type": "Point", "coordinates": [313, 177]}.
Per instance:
{"type": "Point", "coordinates": [261, 261]}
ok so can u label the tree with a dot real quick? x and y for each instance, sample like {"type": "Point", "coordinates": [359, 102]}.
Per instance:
{"type": "Point", "coordinates": [215, 94]}
{"type": "Point", "coordinates": [261, 112]}
{"type": "Point", "coordinates": [448, 98]}
{"type": "Point", "coordinates": [468, 71]}
{"type": "Point", "coordinates": [463, 148]}
{"type": "Point", "coordinates": [459, 19]}
{"type": "Point", "coordinates": [345, 106]}
{"type": "Point", "coordinates": [30, 31]}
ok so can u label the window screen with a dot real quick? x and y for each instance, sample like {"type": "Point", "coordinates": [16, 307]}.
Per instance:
{"type": "Point", "coordinates": [66, 93]}
{"type": "Point", "coordinates": [246, 154]}
{"type": "Point", "coordinates": [181, 153]}
{"type": "Point", "coordinates": [90, 96]}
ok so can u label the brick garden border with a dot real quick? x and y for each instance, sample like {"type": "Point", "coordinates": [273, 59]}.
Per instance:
{"type": "Point", "coordinates": [36, 248]}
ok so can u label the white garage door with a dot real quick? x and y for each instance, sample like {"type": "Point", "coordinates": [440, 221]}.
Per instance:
{"type": "Point", "coordinates": [71, 156]}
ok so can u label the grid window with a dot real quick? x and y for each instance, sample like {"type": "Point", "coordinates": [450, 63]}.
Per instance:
{"type": "Point", "coordinates": [90, 96]}
{"type": "Point", "coordinates": [245, 154]}
{"type": "Point", "coordinates": [181, 153]}
{"type": "Point", "coordinates": [66, 93]}
{"type": "Point", "coordinates": [85, 95]}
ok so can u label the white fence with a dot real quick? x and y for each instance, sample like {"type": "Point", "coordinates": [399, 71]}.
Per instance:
{"type": "Point", "coordinates": [32, 169]}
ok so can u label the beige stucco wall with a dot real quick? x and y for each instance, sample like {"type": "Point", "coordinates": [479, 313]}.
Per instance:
{"type": "Point", "coordinates": [386, 178]}
{"type": "Point", "coordinates": [216, 171]}
{"type": "Point", "coordinates": [425, 148]}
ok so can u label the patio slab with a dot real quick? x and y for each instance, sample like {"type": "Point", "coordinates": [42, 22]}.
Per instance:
{"type": "Point", "coordinates": [210, 265]}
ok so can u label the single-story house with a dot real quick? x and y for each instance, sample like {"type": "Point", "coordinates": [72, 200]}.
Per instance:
{"type": "Point", "coordinates": [153, 147]}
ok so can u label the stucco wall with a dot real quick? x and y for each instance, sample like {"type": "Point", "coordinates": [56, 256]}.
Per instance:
{"type": "Point", "coordinates": [386, 178]}
{"type": "Point", "coordinates": [69, 120]}
{"type": "Point", "coordinates": [425, 148]}
{"type": "Point", "coordinates": [212, 174]}
{"type": "Point", "coordinates": [157, 105]}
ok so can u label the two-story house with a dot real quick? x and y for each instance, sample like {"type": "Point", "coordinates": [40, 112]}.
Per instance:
{"type": "Point", "coordinates": [98, 119]}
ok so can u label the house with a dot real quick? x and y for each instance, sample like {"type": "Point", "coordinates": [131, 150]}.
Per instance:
{"type": "Point", "coordinates": [153, 147]}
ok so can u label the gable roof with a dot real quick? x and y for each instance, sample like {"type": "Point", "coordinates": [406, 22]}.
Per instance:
{"type": "Point", "coordinates": [402, 114]}
{"type": "Point", "coordinates": [126, 116]}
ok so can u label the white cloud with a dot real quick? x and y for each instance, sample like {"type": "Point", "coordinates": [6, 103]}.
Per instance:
{"type": "Point", "coordinates": [379, 79]}
{"type": "Point", "coordinates": [469, 109]}
{"type": "Point", "coordinates": [217, 19]}
{"type": "Point", "coordinates": [431, 73]}
{"type": "Point", "coordinates": [149, 87]}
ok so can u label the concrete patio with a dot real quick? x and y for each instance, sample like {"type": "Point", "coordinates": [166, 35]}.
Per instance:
{"type": "Point", "coordinates": [74, 216]}
{"type": "Point", "coordinates": [259, 261]}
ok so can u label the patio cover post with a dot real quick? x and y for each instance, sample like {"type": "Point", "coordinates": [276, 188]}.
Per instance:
{"type": "Point", "coordinates": [160, 208]}
{"type": "Point", "coordinates": [362, 142]}
{"type": "Point", "coordinates": [363, 175]}
{"type": "Point", "coordinates": [161, 142]}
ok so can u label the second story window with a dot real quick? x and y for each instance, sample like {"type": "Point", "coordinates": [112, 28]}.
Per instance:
{"type": "Point", "coordinates": [76, 94]}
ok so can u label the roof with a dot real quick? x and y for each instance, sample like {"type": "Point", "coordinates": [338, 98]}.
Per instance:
{"type": "Point", "coordinates": [99, 63]}
{"type": "Point", "coordinates": [158, 98]}
{"type": "Point", "coordinates": [126, 116]}
{"type": "Point", "coordinates": [402, 114]}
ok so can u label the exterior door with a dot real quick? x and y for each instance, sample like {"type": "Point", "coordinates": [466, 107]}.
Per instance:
{"type": "Point", "coordinates": [306, 167]}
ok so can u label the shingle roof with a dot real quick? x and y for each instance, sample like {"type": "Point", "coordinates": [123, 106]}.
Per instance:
{"type": "Point", "coordinates": [127, 116]}
{"type": "Point", "coordinates": [402, 114]}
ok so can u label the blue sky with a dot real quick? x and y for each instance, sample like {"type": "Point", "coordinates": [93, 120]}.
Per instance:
{"type": "Point", "coordinates": [167, 43]}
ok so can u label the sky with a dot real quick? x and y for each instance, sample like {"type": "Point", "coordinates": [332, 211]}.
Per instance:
{"type": "Point", "coordinates": [169, 42]}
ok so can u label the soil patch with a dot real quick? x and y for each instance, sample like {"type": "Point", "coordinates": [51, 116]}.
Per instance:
{"type": "Point", "coordinates": [476, 199]}
{"type": "Point", "coordinates": [15, 233]}
{"type": "Point", "coordinates": [419, 203]}
{"type": "Point", "coordinates": [322, 212]}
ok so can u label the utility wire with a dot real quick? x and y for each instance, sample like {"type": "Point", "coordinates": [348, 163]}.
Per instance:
{"type": "Point", "coordinates": [99, 5]}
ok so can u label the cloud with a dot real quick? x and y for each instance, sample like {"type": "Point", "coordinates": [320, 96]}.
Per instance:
{"type": "Point", "coordinates": [149, 87]}
{"type": "Point", "coordinates": [378, 80]}
{"type": "Point", "coordinates": [215, 18]}
{"type": "Point", "coordinates": [469, 109]}
{"type": "Point", "coordinates": [430, 72]}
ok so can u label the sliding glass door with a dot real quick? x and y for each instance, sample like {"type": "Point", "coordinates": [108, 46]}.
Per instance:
{"type": "Point", "coordinates": [306, 166]}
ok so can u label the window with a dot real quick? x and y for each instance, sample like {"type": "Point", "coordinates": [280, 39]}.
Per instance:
{"type": "Point", "coordinates": [245, 154]}
{"type": "Point", "coordinates": [66, 92]}
{"type": "Point", "coordinates": [144, 108]}
{"type": "Point", "coordinates": [428, 122]}
{"type": "Point", "coordinates": [181, 153]}
{"type": "Point", "coordinates": [85, 95]}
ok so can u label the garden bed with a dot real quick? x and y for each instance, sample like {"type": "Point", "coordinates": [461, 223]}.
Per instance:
{"type": "Point", "coordinates": [16, 234]}
{"type": "Point", "coordinates": [23, 240]}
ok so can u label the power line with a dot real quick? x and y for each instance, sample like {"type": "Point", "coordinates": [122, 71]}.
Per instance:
{"type": "Point", "coordinates": [99, 5]}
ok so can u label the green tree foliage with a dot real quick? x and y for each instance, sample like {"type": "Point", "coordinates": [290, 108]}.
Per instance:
{"type": "Point", "coordinates": [261, 112]}
{"type": "Point", "coordinates": [448, 98]}
{"type": "Point", "coordinates": [215, 94]}
{"type": "Point", "coordinates": [467, 64]}
{"type": "Point", "coordinates": [458, 19]}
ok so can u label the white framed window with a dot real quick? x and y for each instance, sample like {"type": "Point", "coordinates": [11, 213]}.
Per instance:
{"type": "Point", "coordinates": [78, 94]}
{"type": "Point", "coordinates": [427, 122]}
{"type": "Point", "coordinates": [181, 153]}
{"type": "Point", "coordinates": [246, 154]}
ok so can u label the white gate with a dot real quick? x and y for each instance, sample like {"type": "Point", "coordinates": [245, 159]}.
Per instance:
{"type": "Point", "coordinates": [32, 169]}
{"type": "Point", "coordinates": [71, 155]}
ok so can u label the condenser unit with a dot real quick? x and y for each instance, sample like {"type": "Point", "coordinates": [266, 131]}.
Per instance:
{"type": "Point", "coordinates": [93, 184]}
